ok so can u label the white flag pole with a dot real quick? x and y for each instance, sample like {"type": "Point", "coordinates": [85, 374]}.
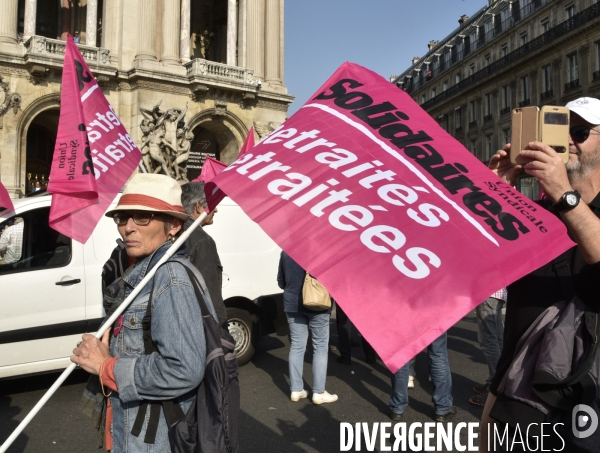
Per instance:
{"type": "Point", "coordinates": [178, 243]}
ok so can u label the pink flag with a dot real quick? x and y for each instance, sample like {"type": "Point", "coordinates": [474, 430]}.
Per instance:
{"type": "Point", "coordinates": [93, 156]}
{"type": "Point", "coordinates": [214, 195]}
{"type": "Point", "coordinates": [5, 201]}
{"type": "Point", "coordinates": [405, 227]}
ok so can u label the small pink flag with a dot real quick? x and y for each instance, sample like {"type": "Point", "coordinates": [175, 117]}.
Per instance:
{"type": "Point", "coordinates": [213, 167]}
{"type": "Point", "coordinates": [5, 201]}
{"type": "Point", "coordinates": [93, 155]}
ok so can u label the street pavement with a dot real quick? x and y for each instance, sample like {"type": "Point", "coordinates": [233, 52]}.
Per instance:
{"type": "Point", "coordinates": [269, 421]}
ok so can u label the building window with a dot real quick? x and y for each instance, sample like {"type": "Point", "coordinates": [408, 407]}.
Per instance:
{"type": "Point", "coordinates": [444, 85]}
{"type": "Point", "coordinates": [527, 8]}
{"type": "Point", "coordinates": [505, 99]}
{"type": "Point", "coordinates": [545, 25]}
{"type": "Point", "coordinates": [423, 99]}
{"type": "Point", "coordinates": [488, 104]}
{"type": "Point", "coordinates": [570, 11]}
{"type": "Point", "coordinates": [525, 85]}
{"type": "Point", "coordinates": [487, 59]}
{"type": "Point", "coordinates": [507, 137]}
{"type": "Point", "coordinates": [489, 152]}
{"type": "Point", "coordinates": [473, 39]}
{"type": "Point", "coordinates": [473, 110]}
{"type": "Point", "coordinates": [504, 50]}
{"type": "Point", "coordinates": [472, 69]}
{"type": "Point", "coordinates": [433, 93]}
{"type": "Point", "coordinates": [505, 18]}
{"type": "Point", "coordinates": [547, 82]}
{"type": "Point", "coordinates": [572, 68]}
{"type": "Point", "coordinates": [488, 28]}
{"type": "Point", "coordinates": [597, 71]}
{"type": "Point", "coordinates": [524, 39]}
{"type": "Point", "coordinates": [457, 78]}
{"type": "Point", "coordinates": [458, 120]}
{"type": "Point", "coordinates": [447, 59]}
{"type": "Point", "coordinates": [474, 147]}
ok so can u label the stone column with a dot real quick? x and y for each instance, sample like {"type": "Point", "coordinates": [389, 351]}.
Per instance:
{"type": "Point", "coordinates": [242, 8]}
{"type": "Point", "coordinates": [8, 21]}
{"type": "Point", "coordinates": [30, 13]}
{"type": "Point", "coordinates": [255, 37]}
{"type": "Point", "coordinates": [91, 23]}
{"type": "Point", "coordinates": [146, 30]}
{"type": "Point", "coordinates": [184, 38]}
{"type": "Point", "coordinates": [231, 32]}
{"type": "Point", "coordinates": [170, 32]}
{"type": "Point", "coordinates": [272, 46]}
{"type": "Point", "coordinates": [66, 19]}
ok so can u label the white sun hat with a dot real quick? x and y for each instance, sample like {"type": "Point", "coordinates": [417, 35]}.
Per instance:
{"type": "Point", "coordinates": [153, 193]}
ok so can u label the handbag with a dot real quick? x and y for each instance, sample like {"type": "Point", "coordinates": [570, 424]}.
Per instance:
{"type": "Point", "coordinates": [314, 295]}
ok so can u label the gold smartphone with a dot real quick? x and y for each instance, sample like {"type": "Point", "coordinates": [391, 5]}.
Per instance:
{"type": "Point", "coordinates": [549, 125]}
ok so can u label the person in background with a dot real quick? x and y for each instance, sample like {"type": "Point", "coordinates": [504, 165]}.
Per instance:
{"type": "Point", "coordinates": [344, 328]}
{"type": "Point", "coordinates": [291, 279]}
{"type": "Point", "coordinates": [11, 242]}
{"type": "Point", "coordinates": [490, 332]}
{"type": "Point", "coordinates": [202, 250]}
{"type": "Point", "coordinates": [439, 369]}
{"type": "Point", "coordinates": [76, 37]}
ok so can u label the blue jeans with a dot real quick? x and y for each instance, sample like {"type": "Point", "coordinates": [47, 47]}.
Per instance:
{"type": "Point", "coordinates": [490, 332]}
{"type": "Point", "coordinates": [440, 377]}
{"type": "Point", "coordinates": [319, 328]}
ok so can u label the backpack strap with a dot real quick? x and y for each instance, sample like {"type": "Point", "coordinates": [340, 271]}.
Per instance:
{"type": "Point", "coordinates": [172, 409]}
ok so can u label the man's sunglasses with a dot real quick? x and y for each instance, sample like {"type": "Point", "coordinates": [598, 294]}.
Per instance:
{"type": "Point", "coordinates": [580, 134]}
{"type": "Point", "coordinates": [139, 218]}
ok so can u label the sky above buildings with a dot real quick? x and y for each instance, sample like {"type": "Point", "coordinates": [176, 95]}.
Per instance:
{"type": "Point", "coordinates": [382, 35]}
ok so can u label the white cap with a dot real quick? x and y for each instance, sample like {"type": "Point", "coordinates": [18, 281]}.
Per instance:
{"type": "Point", "coordinates": [587, 108]}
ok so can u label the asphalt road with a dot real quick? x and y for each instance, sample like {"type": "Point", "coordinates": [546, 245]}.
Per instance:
{"type": "Point", "coordinates": [269, 421]}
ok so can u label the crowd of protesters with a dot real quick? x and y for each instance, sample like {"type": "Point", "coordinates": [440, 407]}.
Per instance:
{"type": "Point", "coordinates": [153, 211]}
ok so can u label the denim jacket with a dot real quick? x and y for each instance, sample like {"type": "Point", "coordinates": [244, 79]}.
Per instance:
{"type": "Point", "coordinates": [176, 370]}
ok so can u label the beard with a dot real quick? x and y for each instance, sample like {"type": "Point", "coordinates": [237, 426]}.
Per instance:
{"type": "Point", "coordinates": [586, 163]}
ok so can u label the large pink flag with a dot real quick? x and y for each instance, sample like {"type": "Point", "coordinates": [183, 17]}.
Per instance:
{"type": "Point", "coordinates": [405, 227]}
{"type": "Point", "coordinates": [93, 156]}
{"type": "Point", "coordinates": [214, 195]}
{"type": "Point", "coordinates": [5, 201]}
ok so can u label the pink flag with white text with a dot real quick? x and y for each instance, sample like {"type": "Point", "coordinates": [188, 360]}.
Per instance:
{"type": "Point", "coordinates": [5, 201]}
{"type": "Point", "coordinates": [214, 195]}
{"type": "Point", "coordinates": [403, 225]}
{"type": "Point", "coordinates": [94, 155]}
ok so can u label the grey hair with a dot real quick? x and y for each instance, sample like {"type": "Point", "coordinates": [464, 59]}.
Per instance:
{"type": "Point", "coordinates": [192, 193]}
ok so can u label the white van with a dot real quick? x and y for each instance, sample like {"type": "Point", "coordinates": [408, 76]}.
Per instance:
{"type": "Point", "coordinates": [52, 295]}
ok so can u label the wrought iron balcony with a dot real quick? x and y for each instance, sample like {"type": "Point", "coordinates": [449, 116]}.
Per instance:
{"type": "Point", "coordinates": [487, 118]}
{"type": "Point", "coordinates": [54, 49]}
{"type": "Point", "coordinates": [546, 94]}
{"type": "Point", "coordinates": [572, 84]}
{"type": "Point", "coordinates": [472, 124]}
{"type": "Point", "coordinates": [525, 102]}
{"type": "Point", "coordinates": [577, 21]}
{"type": "Point", "coordinates": [505, 110]}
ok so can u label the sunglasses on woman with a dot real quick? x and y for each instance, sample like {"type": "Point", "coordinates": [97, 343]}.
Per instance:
{"type": "Point", "coordinates": [580, 134]}
{"type": "Point", "coordinates": [139, 218]}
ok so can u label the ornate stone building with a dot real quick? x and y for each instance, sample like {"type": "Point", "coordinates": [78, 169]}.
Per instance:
{"type": "Point", "coordinates": [507, 55]}
{"type": "Point", "coordinates": [220, 62]}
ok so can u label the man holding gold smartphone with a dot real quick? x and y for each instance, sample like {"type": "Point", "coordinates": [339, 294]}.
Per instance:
{"type": "Point", "coordinates": [572, 191]}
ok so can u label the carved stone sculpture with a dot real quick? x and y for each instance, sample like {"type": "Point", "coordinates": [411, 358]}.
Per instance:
{"type": "Point", "coordinates": [166, 141]}
{"type": "Point", "coordinates": [8, 100]}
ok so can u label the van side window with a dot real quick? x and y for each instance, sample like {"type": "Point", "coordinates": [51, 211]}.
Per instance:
{"type": "Point", "coordinates": [28, 243]}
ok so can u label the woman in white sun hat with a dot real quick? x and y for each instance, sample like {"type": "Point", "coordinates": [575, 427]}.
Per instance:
{"type": "Point", "coordinates": [149, 217]}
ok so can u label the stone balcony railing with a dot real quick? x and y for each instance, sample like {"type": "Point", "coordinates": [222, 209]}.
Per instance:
{"type": "Point", "coordinates": [54, 49]}
{"type": "Point", "coordinates": [219, 72]}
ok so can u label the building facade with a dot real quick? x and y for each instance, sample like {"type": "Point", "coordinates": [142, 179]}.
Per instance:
{"type": "Point", "coordinates": [219, 62]}
{"type": "Point", "coordinates": [509, 54]}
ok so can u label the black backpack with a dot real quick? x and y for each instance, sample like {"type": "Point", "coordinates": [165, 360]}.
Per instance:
{"type": "Point", "coordinates": [211, 423]}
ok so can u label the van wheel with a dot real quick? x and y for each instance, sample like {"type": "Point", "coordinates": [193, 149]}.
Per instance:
{"type": "Point", "coordinates": [241, 328]}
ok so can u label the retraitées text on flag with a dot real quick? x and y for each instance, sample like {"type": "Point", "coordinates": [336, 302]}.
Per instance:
{"type": "Point", "coordinates": [405, 227]}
